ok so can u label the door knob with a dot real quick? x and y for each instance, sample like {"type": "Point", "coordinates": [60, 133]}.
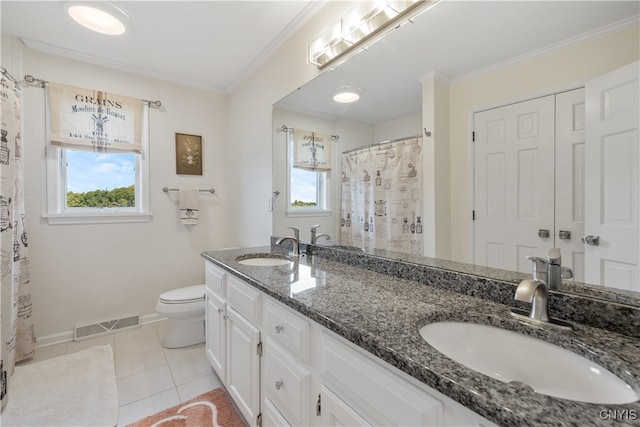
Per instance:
{"type": "Point", "coordinates": [543, 234]}
{"type": "Point", "coordinates": [591, 240]}
{"type": "Point", "coordinates": [564, 235]}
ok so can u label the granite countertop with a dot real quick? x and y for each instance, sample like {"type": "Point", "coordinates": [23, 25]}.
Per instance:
{"type": "Point", "coordinates": [383, 314]}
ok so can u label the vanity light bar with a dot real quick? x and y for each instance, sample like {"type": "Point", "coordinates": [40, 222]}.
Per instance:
{"type": "Point", "coordinates": [361, 27]}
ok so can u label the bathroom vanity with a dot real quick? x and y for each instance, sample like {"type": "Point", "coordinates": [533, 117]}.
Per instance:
{"type": "Point", "coordinates": [334, 339]}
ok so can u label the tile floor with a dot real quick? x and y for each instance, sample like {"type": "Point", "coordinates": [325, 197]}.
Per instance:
{"type": "Point", "coordinates": [150, 377]}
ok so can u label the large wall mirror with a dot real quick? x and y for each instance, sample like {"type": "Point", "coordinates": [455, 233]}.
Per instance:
{"type": "Point", "coordinates": [458, 59]}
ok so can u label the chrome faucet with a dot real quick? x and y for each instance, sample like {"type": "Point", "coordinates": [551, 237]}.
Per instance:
{"type": "Point", "coordinates": [295, 240]}
{"type": "Point", "coordinates": [535, 292]}
{"type": "Point", "coordinates": [315, 236]}
{"type": "Point", "coordinates": [550, 269]}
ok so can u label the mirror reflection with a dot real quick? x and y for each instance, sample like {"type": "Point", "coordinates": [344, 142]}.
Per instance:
{"type": "Point", "coordinates": [519, 75]}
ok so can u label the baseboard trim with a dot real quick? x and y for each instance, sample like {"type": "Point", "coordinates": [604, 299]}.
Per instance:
{"type": "Point", "coordinates": [67, 336]}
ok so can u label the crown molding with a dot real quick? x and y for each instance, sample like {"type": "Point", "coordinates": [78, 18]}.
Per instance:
{"type": "Point", "coordinates": [302, 18]}
{"type": "Point", "coordinates": [83, 57]}
{"type": "Point", "coordinates": [622, 25]}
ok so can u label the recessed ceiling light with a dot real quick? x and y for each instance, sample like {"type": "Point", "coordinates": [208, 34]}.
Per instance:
{"type": "Point", "coordinates": [98, 19]}
{"type": "Point", "coordinates": [346, 95]}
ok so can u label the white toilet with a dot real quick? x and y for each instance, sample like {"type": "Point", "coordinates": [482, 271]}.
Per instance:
{"type": "Point", "coordinates": [184, 307]}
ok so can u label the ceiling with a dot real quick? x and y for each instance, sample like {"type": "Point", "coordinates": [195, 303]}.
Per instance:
{"type": "Point", "coordinates": [215, 44]}
{"type": "Point", "coordinates": [207, 44]}
{"type": "Point", "coordinates": [456, 40]}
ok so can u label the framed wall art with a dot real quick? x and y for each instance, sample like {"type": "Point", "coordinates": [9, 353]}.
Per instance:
{"type": "Point", "coordinates": [188, 154]}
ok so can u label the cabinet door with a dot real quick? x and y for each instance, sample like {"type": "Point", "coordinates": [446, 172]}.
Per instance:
{"type": "Point", "coordinates": [243, 364]}
{"type": "Point", "coordinates": [216, 333]}
{"type": "Point", "coordinates": [334, 412]}
{"type": "Point", "coordinates": [271, 417]}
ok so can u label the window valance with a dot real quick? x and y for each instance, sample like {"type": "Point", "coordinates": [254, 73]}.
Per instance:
{"type": "Point", "coordinates": [88, 119]}
{"type": "Point", "coordinates": [312, 150]}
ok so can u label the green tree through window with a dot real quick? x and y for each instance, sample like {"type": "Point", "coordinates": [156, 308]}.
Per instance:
{"type": "Point", "coordinates": [118, 197]}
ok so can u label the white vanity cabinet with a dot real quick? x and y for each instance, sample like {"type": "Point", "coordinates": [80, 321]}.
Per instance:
{"type": "Point", "coordinates": [370, 390]}
{"type": "Point", "coordinates": [307, 375]}
{"type": "Point", "coordinates": [336, 413]}
{"type": "Point", "coordinates": [360, 389]}
{"type": "Point", "coordinates": [232, 338]}
{"type": "Point", "coordinates": [243, 364]}
{"type": "Point", "coordinates": [215, 315]}
{"type": "Point", "coordinates": [286, 371]}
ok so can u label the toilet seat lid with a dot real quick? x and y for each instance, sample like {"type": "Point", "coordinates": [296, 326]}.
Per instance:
{"type": "Point", "coordinates": [183, 295]}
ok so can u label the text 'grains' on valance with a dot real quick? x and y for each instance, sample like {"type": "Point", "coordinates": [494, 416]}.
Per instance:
{"type": "Point", "coordinates": [311, 150]}
{"type": "Point", "coordinates": [87, 119]}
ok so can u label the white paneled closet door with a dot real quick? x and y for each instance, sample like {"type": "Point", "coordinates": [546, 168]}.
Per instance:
{"type": "Point", "coordinates": [612, 181]}
{"type": "Point", "coordinates": [570, 180]}
{"type": "Point", "coordinates": [514, 183]}
{"type": "Point", "coordinates": [530, 182]}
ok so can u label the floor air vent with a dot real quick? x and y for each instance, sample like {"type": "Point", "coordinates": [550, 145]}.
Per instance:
{"type": "Point", "coordinates": [83, 332]}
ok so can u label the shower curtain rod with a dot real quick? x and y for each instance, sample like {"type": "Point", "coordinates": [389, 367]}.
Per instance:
{"type": "Point", "coordinates": [8, 75]}
{"type": "Point", "coordinates": [285, 128]}
{"type": "Point", "coordinates": [43, 83]}
{"type": "Point", "coordinates": [377, 144]}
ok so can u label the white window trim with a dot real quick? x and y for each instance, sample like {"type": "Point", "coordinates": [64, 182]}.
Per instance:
{"type": "Point", "coordinates": [322, 189]}
{"type": "Point", "coordinates": [56, 186]}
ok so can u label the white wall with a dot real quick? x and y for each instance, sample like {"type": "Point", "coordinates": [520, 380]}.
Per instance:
{"type": "Point", "coordinates": [84, 273]}
{"type": "Point", "coordinates": [398, 128]}
{"type": "Point", "coordinates": [250, 119]}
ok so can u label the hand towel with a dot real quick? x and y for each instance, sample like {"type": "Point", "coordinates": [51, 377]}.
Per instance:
{"type": "Point", "coordinates": [189, 206]}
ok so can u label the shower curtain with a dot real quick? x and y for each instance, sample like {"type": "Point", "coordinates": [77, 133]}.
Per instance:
{"type": "Point", "coordinates": [382, 197]}
{"type": "Point", "coordinates": [17, 334]}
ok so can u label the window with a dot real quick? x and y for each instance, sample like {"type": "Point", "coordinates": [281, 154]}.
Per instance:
{"type": "Point", "coordinates": [307, 189]}
{"type": "Point", "coordinates": [97, 180]}
{"type": "Point", "coordinates": [97, 156]}
{"type": "Point", "coordinates": [88, 187]}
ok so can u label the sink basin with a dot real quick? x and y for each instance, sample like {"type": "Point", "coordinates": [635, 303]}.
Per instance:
{"type": "Point", "coordinates": [527, 362]}
{"type": "Point", "coordinates": [263, 260]}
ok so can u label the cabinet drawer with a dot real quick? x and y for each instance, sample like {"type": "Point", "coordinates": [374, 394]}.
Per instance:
{"type": "Point", "coordinates": [286, 384]}
{"type": "Point", "coordinates": [288, 329]}
{"type": "Point", "coordinates": [271, 417]}
{"type": "Point", "coordinates": [370, 388]}
{"type": "Point", "coordinates": [336, 413]}
{"type": "Point", "coordinates": [214, 279]}
{"type": "Point", "coordinates": [244, 299]}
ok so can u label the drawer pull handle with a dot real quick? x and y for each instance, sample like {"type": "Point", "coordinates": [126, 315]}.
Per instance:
{"type": "Point", "coordinates": [279, 384]}
{"type": "Point", "coordinates": [279, 328]}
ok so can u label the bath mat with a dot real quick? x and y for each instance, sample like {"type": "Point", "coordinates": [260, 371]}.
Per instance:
{"type": "Point", "coordinates": [211, 409]}
{"type": "Point", "coordinates": [77, 389]}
